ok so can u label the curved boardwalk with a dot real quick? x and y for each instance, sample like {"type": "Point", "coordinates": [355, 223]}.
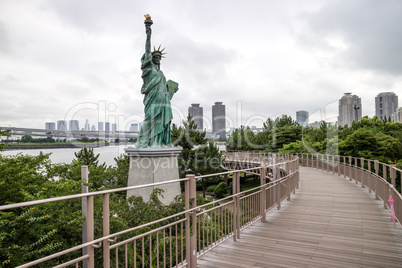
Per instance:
{"type": "Point", "coordinates": [330, 222]}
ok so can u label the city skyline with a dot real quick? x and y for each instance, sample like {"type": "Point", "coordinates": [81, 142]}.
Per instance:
{"type": "Point", "coordinates": [302, 117]}
{"type": "Point", "coordinates": [72, 58]}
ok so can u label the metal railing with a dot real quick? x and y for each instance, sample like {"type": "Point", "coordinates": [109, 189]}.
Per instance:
{"type": "Point", "coordinates": [380, 178]}
{"type": "Point", "coordinates": [178, 240]}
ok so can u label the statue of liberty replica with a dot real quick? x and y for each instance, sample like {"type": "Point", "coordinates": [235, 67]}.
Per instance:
{"type": "Point", "coordinates": [155, 131]}
{"type": "Point", "coordinates": [153, 158]}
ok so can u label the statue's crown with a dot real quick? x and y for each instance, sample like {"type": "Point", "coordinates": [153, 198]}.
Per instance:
{"type": "Point", "coordinates": [158, 51]}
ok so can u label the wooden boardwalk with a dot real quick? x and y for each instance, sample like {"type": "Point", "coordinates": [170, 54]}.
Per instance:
{"type": "Point", "coordinates": [330, 222]}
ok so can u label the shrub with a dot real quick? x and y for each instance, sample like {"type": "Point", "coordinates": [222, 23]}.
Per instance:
{"type": "Point", "coordinates": [221, 189]}
{"type": "Point", "coordinates": [211, 188]}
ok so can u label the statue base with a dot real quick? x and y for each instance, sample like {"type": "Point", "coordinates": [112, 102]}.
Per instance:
{"type": "Point", "coordinates": [152, 165]}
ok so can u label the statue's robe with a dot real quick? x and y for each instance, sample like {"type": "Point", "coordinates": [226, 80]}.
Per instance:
{"type": "Point", "coordinates": [155, 131]}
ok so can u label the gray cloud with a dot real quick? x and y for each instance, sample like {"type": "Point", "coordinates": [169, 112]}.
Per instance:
{"type": "Point", "coordinates": [371, 30]}
{"type": "Point", "coordinates": [4, 38]}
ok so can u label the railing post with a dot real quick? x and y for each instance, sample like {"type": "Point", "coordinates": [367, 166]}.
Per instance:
{"type": "Point", "coordinates": [368, 175]}
{"type": "Point", "coordinates": [90, 231]}
{"type": "Point", "coordinates": [236, 215]}
{"type": "Point", "coordinates": [278, 187]}
{"type": "Point", "coordinates": [392, 173]}
{"type": "Point", "coordinates": [362, 171]}
{"type": "Point", "coordinates": [376, 168]}
{"type": "Point", "coordinates": [84, 189]}
{"type": "Point", "coordinates": [333, 164]}
{"type": "Point", "coordinates": [337, 165]}
{"type": "Point", "coordinates": [344, 166]}
{"type": "Point", "coordinates": [385, 176]}
{"type": "Point", "coordinates": [191, 221]}
{"type": "Point", "coordinates": [106, 231]}
{"type": "Point", "coordinates": [356, 169]}
{"type": "Point", "coordinates": [238, 205]}
{"type": "Point", "coordinates": [263, 196]}
{"type": "Point", "coordinates": [350, 168]}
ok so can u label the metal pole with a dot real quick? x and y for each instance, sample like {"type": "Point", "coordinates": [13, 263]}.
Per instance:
{"type": "Point", "coordinates": [106, 231]}
{"type": "Point", "coordinates": [84, 189]}
{"type": "Point", "coordinates": [263, 201]}
{"type": "Point", "coordinates": [191, 222]}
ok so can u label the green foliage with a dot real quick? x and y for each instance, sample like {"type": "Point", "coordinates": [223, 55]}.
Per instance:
{"type": "Point", "coordinates": [276, 133]}
{"type": "Point", "coordinates": [242, 139]}
{"type": "Point", "coordinates": [369, 138]}
{"type": "Point", "coordinates": [26, 138]}
{"type": "Point", "coordinates": [2, 134]}
{"type": "Point", "coordinates": [29, 232]}
{"type": "Point", "coordinates": [203, 160]}
{"type": "Point", "coordinates": [87, 157]}
{"type": "Point", "coordinates": [29, 139]}
{"type": "Point", "coordinates": [221, 190]}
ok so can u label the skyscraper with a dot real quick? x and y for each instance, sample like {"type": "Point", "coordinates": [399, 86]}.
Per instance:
{"type": "Point", "coordinates": [218, 121]}
{"type": "Point", "coordinates": [114, 127]}
{"type": "Point", "coordinates": [50, 126]}
{"type": "Point", "coordinates": [87, 127]}
{"type": "Point", "coordinates": [397, 117]}
{"type": "Point", "coordinates": [74, 125]}
{"type": "Point", "coordinates": [100, 126]}
{"type": "Point", "coordinates": [107, 127]}
{"type": "Point", "coordinates": [350, 109]}
{"type": "Point", "coordinates": [386, 104]}
{"type": "Point", "coordinates": [196, 113]}
{"type": "Point", "coordinates": [134, 127]}
{"type": "Point", "coordinates": [302, 118]}
{"type": "Point", "coordinates": [62, 125]}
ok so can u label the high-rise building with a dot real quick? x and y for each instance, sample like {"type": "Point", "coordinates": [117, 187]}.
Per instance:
{"type": "Point", "coordinates": [62, 125]}
{"type": "Point", "coordinates": [50, 126]}
{"type": "Point", "coordinates": [114, 127]}
{"type": "Point", "coordinates": [87, 126]}
{"type": "Point", "coordinates": [385, 104]}
{"type": "Point", "coordinates": [302, 118]}
{"type": "Point", "coordinates": [196, 113]}
{"type": "Point", "coordinates": [100, 126]}
{"type": "Point", "coordinates": [134, 127]}
{"type": "Point", "coordinates": [74, 125]}
{"type": "Point", "coordinates": [107, 127]}
{"type": "Point", "coordinates": [397, 116]}
{"type": "Point", "coordinates": [93, 128]}
{"type": "Point", "coordinates": [218, 121]}
{"type": "Point", "coordinates": [350, 109]}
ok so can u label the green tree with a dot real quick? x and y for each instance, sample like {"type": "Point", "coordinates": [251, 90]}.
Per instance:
{"type": "Point", "coordinates": [87, 157]}
{"type": "Point", "coordinates": [362, 143]}
{"type": "Point", "coordinates": [187, 136]}
{"type": "Point", "coordinates": [31, 232]}
{"type": "Point", "coordinates": [2, 134]}
{"type": "Point", "coordinates": [221, 189]}
{"type": "Point", "coordinates": [26, 139]}
{"type": "Point", "coordinates": [241, 139]}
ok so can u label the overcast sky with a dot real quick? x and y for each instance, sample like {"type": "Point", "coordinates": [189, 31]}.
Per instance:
{"type": "Point", "coordinates": [67, 59]}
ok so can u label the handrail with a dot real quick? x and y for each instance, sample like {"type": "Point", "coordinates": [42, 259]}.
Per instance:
{"type": "Point", "coordinates": [210, 224]}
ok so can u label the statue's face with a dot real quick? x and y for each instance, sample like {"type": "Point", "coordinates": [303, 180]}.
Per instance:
{"type": "Point", "coordinates": [156, 59]}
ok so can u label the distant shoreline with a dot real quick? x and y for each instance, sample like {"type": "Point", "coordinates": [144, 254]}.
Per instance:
{"type": "Point", "coordinates": [10, 147]}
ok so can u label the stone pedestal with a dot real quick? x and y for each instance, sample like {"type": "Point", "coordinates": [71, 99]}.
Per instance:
{"type": "Point", "coordinates": [152, 165]}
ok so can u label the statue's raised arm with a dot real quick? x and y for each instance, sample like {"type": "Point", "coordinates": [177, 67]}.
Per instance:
{"type": "Point", "coordinates": [148, 22]}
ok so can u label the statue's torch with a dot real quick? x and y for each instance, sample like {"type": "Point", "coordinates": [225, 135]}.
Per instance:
{"type": "Point", "coordinates": [148, 21]}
